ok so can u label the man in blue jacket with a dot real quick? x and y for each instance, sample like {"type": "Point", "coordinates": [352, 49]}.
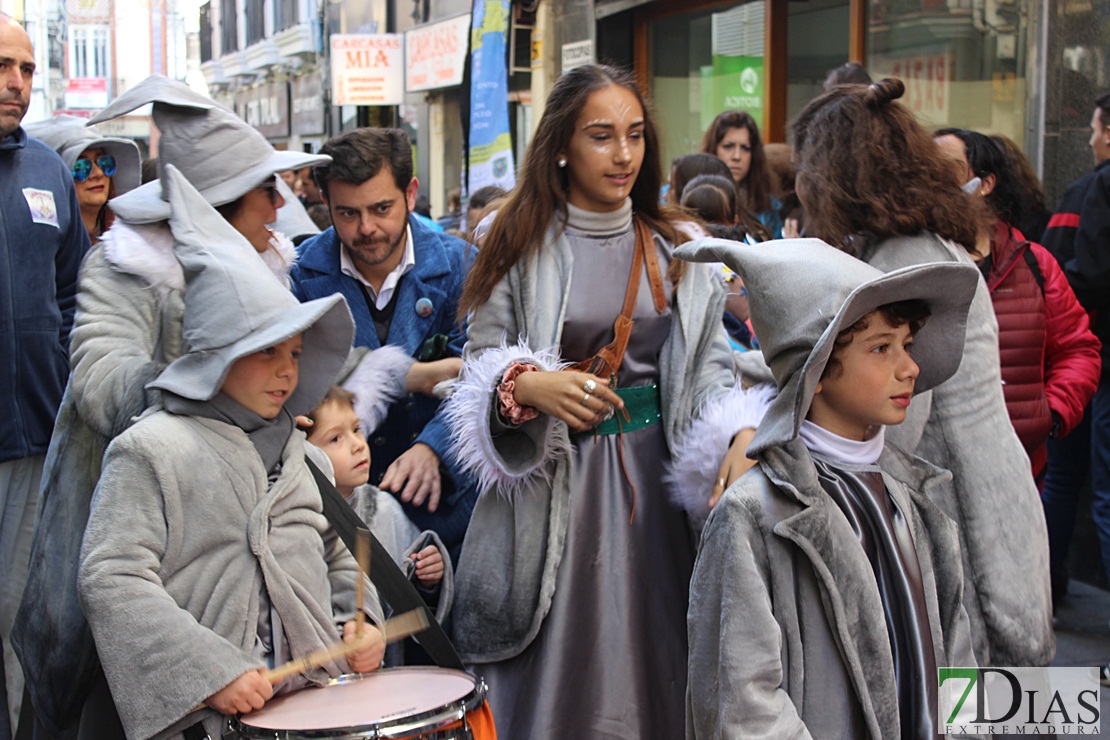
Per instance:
{"type": "Point", "coordinates": [42, 242]}
{"type": "Point", "coordinates": [402, 282]}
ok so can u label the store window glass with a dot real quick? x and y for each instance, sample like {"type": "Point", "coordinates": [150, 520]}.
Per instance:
{"type": "Point", "coordinates": [816, 42]}
{"type": "Point", "coordinates": [963, 61]}
{"type": "Point", "coordinates": [701, 64]}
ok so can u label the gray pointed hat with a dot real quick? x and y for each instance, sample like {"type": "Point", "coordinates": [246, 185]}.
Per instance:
{"type": "Point", "coordinates": [234, 306]}
{"type": "Point", "coordinates": [217, 151]}
{"type": "Point", "coordinates": [803, 293]}
{"type": "Point", "coordinates": [69, 137]}
{"type": "Point", "coordinates": [292, 218]}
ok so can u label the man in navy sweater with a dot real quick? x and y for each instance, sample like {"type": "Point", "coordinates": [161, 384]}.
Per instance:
{"type": "Point", "coordinates": [42, 242]}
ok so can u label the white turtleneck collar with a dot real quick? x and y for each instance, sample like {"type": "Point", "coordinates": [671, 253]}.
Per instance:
{"type": "Point", "coordinates": [600, 222]}
{"type": "Point", "coordinates": [841, 449]}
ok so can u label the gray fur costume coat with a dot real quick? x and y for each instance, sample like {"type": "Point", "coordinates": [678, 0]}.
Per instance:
{"type": "Point", "coordinates": [786, 627]}
{"type": "Point", "coordinates": [506, 576]}
{"type": "Point", "coordinates": [182, 534]}
{"type": "Point", "coordinates": [127, 329]}
{"type": "Point", "coordinates": [962, 425]}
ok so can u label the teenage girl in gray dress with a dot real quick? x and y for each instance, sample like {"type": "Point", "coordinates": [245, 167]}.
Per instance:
{"type": "Point", "coordinates": [572, 583]}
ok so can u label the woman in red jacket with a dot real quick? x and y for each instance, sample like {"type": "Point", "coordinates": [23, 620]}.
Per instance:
{"type": "Point", "coordinates": [1050, 358]}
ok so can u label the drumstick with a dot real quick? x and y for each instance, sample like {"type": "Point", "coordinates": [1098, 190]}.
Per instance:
{"type": "Point", "coordinates": [362, 555]}
{"type": "Point", "coordinates": [394, 629]}
{"type": "Point", "coordinates": [397, 628]}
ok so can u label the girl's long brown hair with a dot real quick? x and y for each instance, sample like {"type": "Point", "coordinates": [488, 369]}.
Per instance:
{"type": "Point", "coordinates": [755, 190]}
{"type": "Point", "coordinates": [540, 198]}
{"type": "Point", "coordinates": [868, 170]}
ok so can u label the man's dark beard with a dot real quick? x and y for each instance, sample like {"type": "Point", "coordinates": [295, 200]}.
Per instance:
{"type": "Point", "coordinates": [367, 241]}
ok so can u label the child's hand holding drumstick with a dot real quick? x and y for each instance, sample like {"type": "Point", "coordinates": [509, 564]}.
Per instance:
{"type": "Point", "coordinates": [368, 658]}
{"type": "Point", "coordinates": [245, 694]}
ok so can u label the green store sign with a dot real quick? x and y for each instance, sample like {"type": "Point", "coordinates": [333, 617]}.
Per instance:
{"type": "Point", "coordinates": [732, 82]}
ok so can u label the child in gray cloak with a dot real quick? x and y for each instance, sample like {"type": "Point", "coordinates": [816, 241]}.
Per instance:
{"type": "Point", "coordinates": [337, 430]}
{"type": "Point", "coordinates": [207, 556]}
{"type": "Point", "coordinates": [828, 588]}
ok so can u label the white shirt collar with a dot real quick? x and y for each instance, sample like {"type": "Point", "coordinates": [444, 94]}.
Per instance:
{"type": "Point", "coordinates": [381, 299]}
{"type": "Point", "coordinates": [841, 449]}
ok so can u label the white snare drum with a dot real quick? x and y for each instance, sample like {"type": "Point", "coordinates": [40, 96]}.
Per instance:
{"type": "Point", "coordinates": [411, 703]}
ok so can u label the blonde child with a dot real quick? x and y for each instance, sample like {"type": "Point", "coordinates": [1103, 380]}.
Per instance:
{"type": "Point", "coordinates": [337, 430]}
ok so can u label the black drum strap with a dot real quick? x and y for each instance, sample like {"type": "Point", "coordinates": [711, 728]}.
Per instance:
{"type": "Point", "coordinates": [384, 573]}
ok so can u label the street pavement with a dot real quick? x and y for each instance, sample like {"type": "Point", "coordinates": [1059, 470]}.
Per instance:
{"type": "Point", "coordinates": [1083, 630]}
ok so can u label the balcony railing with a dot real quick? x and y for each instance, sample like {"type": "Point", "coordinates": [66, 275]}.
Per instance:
{"type": "Point", "coordinates": [256, 20]}
{"type": "Point", "coordinates": [286, 14]}
{"type": "Point", "coordinates": [229, 27]}
{"type": "Point", "coordinates": [206, 32]}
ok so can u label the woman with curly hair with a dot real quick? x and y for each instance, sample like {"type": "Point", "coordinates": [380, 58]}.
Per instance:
{"type": "Point", "coordinates": [572, 584]}
{"type": "Point", "coordinates": [1034, 214]}
{"type": "Point", "coordinates": [873, 183]}
{"type": "Point", "coordinates": [734, 138]}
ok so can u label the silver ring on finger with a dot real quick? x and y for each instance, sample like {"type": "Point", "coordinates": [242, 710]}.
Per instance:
{"type": "Point", "coordinates": [586, 400]}
{"type": "Point", "coordinates": [609, 411]}
{"type": "Point", "coordinates": [589, 386]}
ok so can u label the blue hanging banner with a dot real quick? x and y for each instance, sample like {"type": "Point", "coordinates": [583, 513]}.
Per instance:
{"type": "Point", "coordinates": [491, 146]}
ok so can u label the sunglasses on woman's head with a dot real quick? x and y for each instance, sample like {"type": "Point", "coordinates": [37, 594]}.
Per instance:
{"type": "Point", "coordinates": [82, 168]}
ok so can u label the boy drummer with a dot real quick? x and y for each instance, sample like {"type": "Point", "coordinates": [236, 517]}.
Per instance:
{"type": "Point", "coordinates": [206, 558]}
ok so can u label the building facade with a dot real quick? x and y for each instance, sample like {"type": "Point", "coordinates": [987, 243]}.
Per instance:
{"type": "Point", "coordinates": [1027, 69]}
{"type": "Point", "coordinates": [272, 61]}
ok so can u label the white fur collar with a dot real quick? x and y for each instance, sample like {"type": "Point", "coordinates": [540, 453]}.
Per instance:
{"type": "Point", "coordinates": [146, 251]}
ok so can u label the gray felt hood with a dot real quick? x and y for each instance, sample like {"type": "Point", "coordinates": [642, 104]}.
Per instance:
{"type": "Point", "coordinates": [234, 306]}
{"type": "Point", "coordinates": [803, 292]}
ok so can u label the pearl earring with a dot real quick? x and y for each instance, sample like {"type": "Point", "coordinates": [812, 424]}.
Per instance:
{"type": "Point", "coordinates": [562, 162]}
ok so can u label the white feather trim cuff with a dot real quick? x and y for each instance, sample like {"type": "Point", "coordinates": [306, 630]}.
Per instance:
{"type": "Point", "coordinates": [377, 382]}
{"type": "Point", "coordinates": [520, 455]}
{"type": "Point", "coordinates": [698, 454]}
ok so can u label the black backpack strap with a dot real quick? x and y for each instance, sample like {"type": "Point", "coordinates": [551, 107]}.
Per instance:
{"type": "Point", "coordinates": [384, 573]}
{"type": "Point", "coordinates": [1035, 268]}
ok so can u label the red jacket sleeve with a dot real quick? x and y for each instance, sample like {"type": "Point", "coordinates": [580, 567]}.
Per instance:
{"type": "Point", "coordinates": [1072, 362]}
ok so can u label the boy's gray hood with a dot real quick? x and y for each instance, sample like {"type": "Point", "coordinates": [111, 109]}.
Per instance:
{"type": "Point", "coordinates": [69, 137]}
{"type": "Point", "coordinates": [803, 292]}
{"type": "Point", "coordinates": [234, 306]}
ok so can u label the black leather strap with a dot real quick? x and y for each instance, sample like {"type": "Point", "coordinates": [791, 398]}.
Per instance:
{"type": "Point", "coordinates": [384, 573]}
{"type": "Point", "coordinates": [196, 732]}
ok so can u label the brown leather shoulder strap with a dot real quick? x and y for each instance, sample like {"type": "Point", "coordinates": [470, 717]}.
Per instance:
{"type": "Point", "coordinates": [646, 243]}
{"type": "Point", "coordinates": [608, 359]}
{"type": "Point", "coordinates": [632, 290]}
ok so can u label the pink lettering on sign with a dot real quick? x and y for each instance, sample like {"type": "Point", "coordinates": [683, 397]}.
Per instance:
{"type": "Point", "coordinates": [367, 59]}
{"type": "Point", "coordinates": [927, 84]}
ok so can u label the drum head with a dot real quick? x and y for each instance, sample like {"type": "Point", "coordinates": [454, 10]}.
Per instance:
{"type": "Point", "coordinates": [401, 699]}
